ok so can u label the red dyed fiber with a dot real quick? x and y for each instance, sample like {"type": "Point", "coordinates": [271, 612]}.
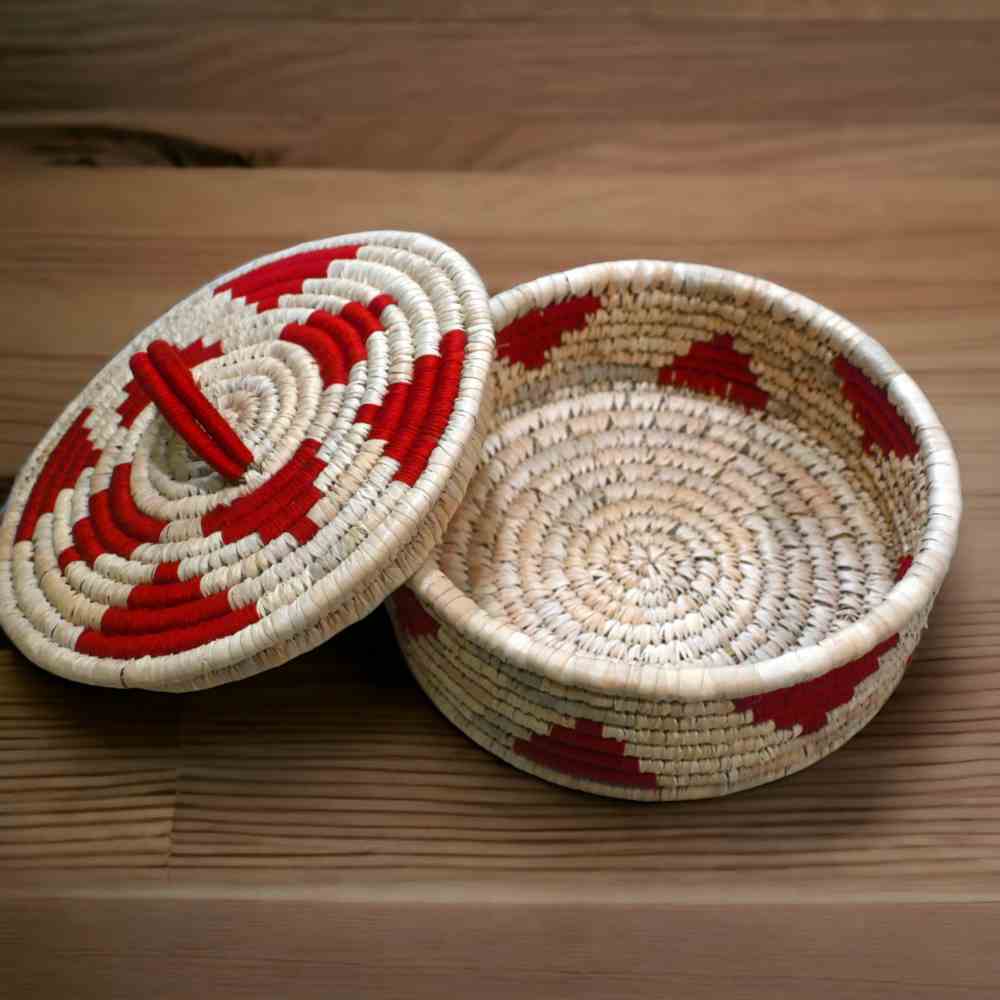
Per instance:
{"type": "Point", "coordinates": [391, 410]}
{"type": "Point", "coordinates": [178, 376]}
{"type": "Point", "coordinates": [366, 413]}
{"type": "Point", "coordinates": [263, 285]}
{"type": "Point", "coordinates": [379, 303]}
{"type": "Point", "coordinates": [585, 753]}
{"type": "Point", "coordinates": [167, 573]}
{"type": "Point", "coordinates": [68, 459]}
{"type": "Point", "coordinates": [173, 640]}
{"type": "Point", "coordinates": [430, 422]}
{"type": "Point", "coordinates": [194, 354]}
{"type": "Point", "coordinates": [716, 369]}
{"type": "Point", "coordinates": [180, 417]}
{"type": "Point", "coordinates": [809, 703]}
{"type": "Point", "coordinates": [878, 418]}
{"type": "Point", "coordinates": [303, 529]}
{"type": "Point", "coordinates": [291, 511]}
{"type": "Point", "coordinates": [417, 403]}
{"type": "Point", "coordinates": [324, 348]}
{"type": "Point", "coordinates": [904, 567]}
{"type": "Point", "coordinates": [411, 614]}
{"type": "Point", "coordinates": [164, 594]}
{"type": "Point", "coordinates": [68, 556]}
{"type": "Point", "coordinates": [255, 510]}
{"type": "Point", "coordinates": [362, 319]}
{"type": "Point", "coordinates": [344, 333]}
{"type": "Point", "coordinates": [133, 521]}
{"type": "Point", "coordinates": [111, 537]}
{"type": "Point", "coordinates": [85, 540]}
{"type": "Point", "coordinates": [137, 621]}
{"type": "Point", "coordinates": [527, 340]}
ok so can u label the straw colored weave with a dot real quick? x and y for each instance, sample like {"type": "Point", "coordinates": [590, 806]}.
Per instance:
{"type": "Point", "coordinates": [707, 530]}
{"type": "Point", "coordinates": [255, 471]}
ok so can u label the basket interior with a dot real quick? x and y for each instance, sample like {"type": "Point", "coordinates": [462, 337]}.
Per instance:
{"type": "Point", "coordinates": [676, 478]}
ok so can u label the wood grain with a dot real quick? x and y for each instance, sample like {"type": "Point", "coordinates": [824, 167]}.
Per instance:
{"type": "Point", "coordinates": [84, 779]}
{"type": "Point", "coordinates": [521, 142]}
{"type": "Point", "coordinates": [659, 70]}
{"type": "Point", "coordinates": [911, 259]}
{"type": "Point", "coordinates": [578, 87]}
{"type": "Point", "coordinates": [479, 11]}
{"type": "Point", "coordinates": [320, 829]}
{"type": "Point", "coordinates": [332, 947]}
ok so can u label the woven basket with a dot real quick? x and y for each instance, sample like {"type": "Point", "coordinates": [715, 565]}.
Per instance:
{"type": "Point", "coordinates": [708, 527]}
{"type": "Point", "coordinates": [256, 470]}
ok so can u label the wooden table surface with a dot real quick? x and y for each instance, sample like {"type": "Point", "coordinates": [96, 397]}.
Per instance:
{"type": "Point", "coordinates": [320, 830]}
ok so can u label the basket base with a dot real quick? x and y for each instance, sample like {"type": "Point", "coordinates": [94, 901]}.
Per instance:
{"type": "Point", "coordinates": [654, 526]}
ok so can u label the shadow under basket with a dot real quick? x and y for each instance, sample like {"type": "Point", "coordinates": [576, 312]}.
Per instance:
{"type": "Point", "coordinates": [705, 534]}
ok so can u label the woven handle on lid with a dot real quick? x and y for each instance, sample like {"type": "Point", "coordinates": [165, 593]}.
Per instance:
{"type": "Point", "coordinates": [163, 374]}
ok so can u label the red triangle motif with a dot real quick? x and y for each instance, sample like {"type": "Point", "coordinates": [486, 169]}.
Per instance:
{"type": "Point", "coordinates": [717, 369]}
{"type": "Point", "coordinates": [584, 752]}
{"type": "Point", "coordinates": [808, 704]}
{"type": "Point", "coordinates": [264, 285]}
{"type": "Point", "coordinates": [527, 340]}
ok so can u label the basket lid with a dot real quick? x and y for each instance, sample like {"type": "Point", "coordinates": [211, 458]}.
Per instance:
{"type": "Point", "coordinates": [256, 470]}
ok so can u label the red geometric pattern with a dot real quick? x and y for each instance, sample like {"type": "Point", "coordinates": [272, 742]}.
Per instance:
{"type": "Point", "coordinates": [168, 614]}
{"type": "Point", "coordinates": [336, 343]}
{"type": "Point", "coordinates": [809, 703]}
{"type": "Point", "coordinates": [585, 752]}
{"type": "Point", "coordinates": [411, 615]}
{"type": "Point", "coordinates": [716, 369]}
{"type": "Point", "coordinates": [527, 340]}
{"type": "Point", "coordinates": [882, 425]}
{"type": "Point", "coordinates": [431, 401]}
{"type": "Point", "coordinates": [274, 503]}
{"type": "Point", "coordinates": [264, 285]}
{"type": "Point", "coordinates": [68, 459]}
{"type": "Point", "coordinates": [112, 528]}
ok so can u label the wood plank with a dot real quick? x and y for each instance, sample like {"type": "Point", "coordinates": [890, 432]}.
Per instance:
{"type": "Point", "coordinates": [189, 57]}
{"type": "Point", "coordinates": [472, 11]}
{"type": "Point", "coordinates": [255, 89]}
{"type": "Point", "coordinates": [907, 258]}
{"type": "Point", "coordinates": [508, 141]}
{"type": "Point", "coordinates": [85, 774]}
{"type": "Point", "coordinates": [272, 945]}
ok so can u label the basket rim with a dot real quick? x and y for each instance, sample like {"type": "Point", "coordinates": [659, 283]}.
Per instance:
{"type": "Point", "coordinates": [690, 682]}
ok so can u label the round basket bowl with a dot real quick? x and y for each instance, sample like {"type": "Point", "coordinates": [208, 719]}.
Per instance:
{"type": "Point", "coordinates": [707, 528]}
{"type": "Point", "coordinates": [256, 470]}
